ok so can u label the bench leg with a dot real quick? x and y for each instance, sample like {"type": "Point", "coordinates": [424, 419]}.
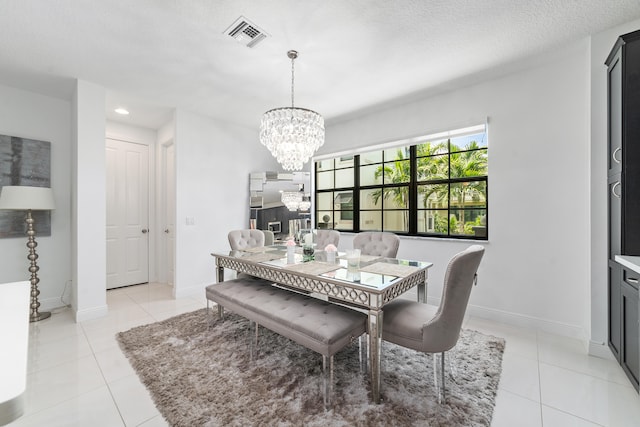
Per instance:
{"type": "Point", "coordinates": [327, 382]}
{"type": "Point", "coordinates": [257, 332]}
{"type": "Point", "coordinates": [209, 315]}
{"type": "Point", "coordinates": [253, 340]}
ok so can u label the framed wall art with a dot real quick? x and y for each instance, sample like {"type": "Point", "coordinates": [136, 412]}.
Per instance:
{"type": "Point", "coordinates": [24, 162]}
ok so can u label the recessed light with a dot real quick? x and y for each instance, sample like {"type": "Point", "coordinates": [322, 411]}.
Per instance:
{"type": "Point", "coordinates": [122, 111]}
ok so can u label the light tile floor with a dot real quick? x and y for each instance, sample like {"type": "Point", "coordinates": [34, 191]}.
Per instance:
{"type": "Point", "coordinates": [79, 377]}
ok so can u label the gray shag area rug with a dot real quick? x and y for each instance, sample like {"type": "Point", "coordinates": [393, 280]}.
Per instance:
{"type": "Point", "coordinates": [200, 376]}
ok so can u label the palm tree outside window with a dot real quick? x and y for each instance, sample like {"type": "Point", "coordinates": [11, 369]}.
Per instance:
{"type": "Point", "coordinates": [437, 186]}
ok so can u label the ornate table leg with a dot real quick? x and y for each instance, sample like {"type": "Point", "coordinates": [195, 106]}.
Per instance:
{"type": "Point", "coordinates": [375, 341]}
{"type": "Point", "coordinates": [422, 290]}
{"type": "Point", "coordinates": [220, 279]}
{"type": "Point", "coordinates": [220, 271]}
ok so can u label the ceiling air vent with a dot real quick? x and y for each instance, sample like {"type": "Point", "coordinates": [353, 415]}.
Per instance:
{"type": "Point", "coordinates": [246, 32]}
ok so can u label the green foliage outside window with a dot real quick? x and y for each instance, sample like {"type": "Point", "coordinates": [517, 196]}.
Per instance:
{"type": "Point", "coordinates": [448, 179]}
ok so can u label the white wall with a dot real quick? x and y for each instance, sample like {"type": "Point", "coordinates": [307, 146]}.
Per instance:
{"type": "Point", "coordinates": [88, 213]}
{"type": "Point", "coordinates": [29, 115]}
{"type": "Point", "coordinates": [213, 162]}
{"type": "Point", "coordinates": [130, 133]}
{"type": "Point", "coordinates": [536, 266]}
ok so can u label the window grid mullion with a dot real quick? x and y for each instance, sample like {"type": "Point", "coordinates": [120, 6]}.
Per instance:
{"type": "Point", "coordinates": [412, 187]}
{"type": "Point", "coordinates": [356, 193]}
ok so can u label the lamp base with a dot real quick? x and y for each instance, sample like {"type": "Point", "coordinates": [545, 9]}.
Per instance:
{"type": "Point", "coordinates": [36, 317]}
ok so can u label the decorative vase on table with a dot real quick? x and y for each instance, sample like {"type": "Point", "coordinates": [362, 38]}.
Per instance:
{"type": "Point", "coordinates": [291, 251]}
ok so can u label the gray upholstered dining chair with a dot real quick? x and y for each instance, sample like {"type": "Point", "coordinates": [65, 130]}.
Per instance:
{"type": "Point", "coordinates": [269, 237]}
{"type": "Point", "coordinates": [381, 243]}
{"type": "Point", "coordinates": [412, 324]}
{"type": "Point", "coordinates": [327, 237]}
{"type": "Point", "coordinates": [246, 238]}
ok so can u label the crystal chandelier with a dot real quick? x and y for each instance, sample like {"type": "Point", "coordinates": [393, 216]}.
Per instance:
{"type": "Point", "coordinates": [292, 134]}
{"type": "Point", "coordinates": [305, 204]}
{"type": "Point", "coordinates": [291, 199]}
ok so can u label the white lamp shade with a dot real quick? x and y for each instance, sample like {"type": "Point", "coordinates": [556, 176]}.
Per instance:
{"type": "Point", "coordinates": [20, 197]}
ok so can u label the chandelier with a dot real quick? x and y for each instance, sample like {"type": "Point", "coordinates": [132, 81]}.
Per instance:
{"type": "Point", "coordinates": [291, 199]}
{"type": "Point", "coordinates": [305, 204]}
{"type": "Point", "coordinates": [292, 134]}
{"type": "Point", "coordinates": [296, 200]}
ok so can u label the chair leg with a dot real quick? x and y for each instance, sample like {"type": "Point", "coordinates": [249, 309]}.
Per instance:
{"type": "Point", "coordinates": [220, 312]}
{"type": "Point", "coordinates": [435, 374]}
{"type": "Point", "coordinates": [440, 388]}
{"type": "Point", "coordinates": [453, 365]}
{"type": "Point", "coordinates": [444, 387]}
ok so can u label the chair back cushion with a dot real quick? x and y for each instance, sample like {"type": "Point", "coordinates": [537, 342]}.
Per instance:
{"type": "Point", "coordinates": [269, 237]}
{"type": "Point", "coordinates": [381, 243]}
{"type": "Point", "coordinates": [327, 237]}
{"type": "Point", "coordinates": [443, 330]}
{"type": "Point", "coordinates": [247, 238]}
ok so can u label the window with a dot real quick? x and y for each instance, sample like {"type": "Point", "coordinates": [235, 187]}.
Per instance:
{"type": "Point", "coordinates": [430, 186]}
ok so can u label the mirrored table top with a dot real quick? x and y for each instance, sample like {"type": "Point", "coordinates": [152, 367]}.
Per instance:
{"type": "Point", "coordinates": [373, 271]}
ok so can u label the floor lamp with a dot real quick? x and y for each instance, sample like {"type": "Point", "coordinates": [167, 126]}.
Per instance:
{"type": "Point", "coordinates": [29, 199]}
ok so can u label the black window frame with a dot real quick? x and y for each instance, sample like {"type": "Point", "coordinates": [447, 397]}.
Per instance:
{"type": "Point", "coordinates": [413, 185]}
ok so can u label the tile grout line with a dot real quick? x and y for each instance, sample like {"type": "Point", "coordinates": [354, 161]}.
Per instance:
{"type": "Point", "coordinates": [539, 378]}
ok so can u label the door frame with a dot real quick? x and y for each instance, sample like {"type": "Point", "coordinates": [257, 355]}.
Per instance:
{"type": "Point", "coordinates": [162, 217]}
{"type": "Point", "coordinates": [153, 236]}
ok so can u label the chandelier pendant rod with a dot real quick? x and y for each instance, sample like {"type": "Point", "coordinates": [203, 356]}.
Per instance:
{"type": "Point", "coordinates": [293, 55]}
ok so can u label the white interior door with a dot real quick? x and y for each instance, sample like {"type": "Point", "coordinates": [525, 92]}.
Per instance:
{"type": "Point", "coordinates": [169, 197]}
{"type": "Point", "coordinates": [127, 213]}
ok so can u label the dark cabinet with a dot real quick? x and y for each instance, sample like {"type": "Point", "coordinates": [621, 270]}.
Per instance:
{"type": "Point", "coordinates": [623, 179]}
{"type": "Point", "coordinates": [615, 216]}
{"type": "Point", "coordinates": [614, 72]}
{"type": "Point", "coordinates": [623, 66]}
{"type": "Point", "coordinates": [615, 306]}
{"type": "Point", "coordinates": [624, 330]}
{"type": "Point", "coordinates": [630, 333]}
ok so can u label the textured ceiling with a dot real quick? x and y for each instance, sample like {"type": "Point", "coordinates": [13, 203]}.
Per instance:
{"type": "Point", "coordinates": [155, 55]}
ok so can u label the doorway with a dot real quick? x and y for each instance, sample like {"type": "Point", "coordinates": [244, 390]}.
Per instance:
{"type": "Point", "coordinates": [168, 211]}
{"type": "Point", "coordinates": [127, 190]}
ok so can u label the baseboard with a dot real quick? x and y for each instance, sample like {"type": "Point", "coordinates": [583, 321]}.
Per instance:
{"type": "Point", "coordinates": [91, 313]}
{"type": "Point", "coordinates": [600, 349]}
{"type": "Point", "coordinates": [522, 321]}
{"type": "Point", "coordinates": [190, 291]}
{"type": "Point", "coordinates": [50, 304]}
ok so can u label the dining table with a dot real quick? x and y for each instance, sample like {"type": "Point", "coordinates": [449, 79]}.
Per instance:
{"type": "Point", "coordinates": [367, 287]}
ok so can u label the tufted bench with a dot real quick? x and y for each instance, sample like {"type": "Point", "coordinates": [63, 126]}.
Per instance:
{"type": "Point", "coordinates": [316, 324]}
